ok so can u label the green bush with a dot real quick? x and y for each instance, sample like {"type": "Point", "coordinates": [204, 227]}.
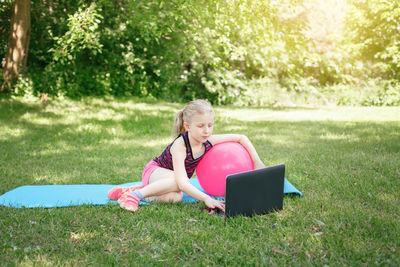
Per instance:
{"type": "Point", "coordinates": [179, 50]}
{"type": "Point", "coordinates": [387, 94]}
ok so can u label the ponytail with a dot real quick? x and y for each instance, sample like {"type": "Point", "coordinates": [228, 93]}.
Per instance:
{"type": "Point", "coordinates": [178, 128]}
{"type": "Point", "coordinates": [185, 115]}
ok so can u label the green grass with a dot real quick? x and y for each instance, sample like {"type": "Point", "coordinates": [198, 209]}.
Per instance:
{"type": "Point", "coordinates": [345, 160]}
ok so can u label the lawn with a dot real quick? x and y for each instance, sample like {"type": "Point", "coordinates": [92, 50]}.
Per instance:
{"type": "Point", "coordinates": [345, 160]}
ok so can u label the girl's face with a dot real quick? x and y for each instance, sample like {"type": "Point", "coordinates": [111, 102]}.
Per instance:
{"type": "Point", "coordinates": [200, 127]}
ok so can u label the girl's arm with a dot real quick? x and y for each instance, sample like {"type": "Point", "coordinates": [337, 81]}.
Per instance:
{"type": "Point", "coordinates": [244, 141]}
{"type": "Point", "coordinates": [178, 152]}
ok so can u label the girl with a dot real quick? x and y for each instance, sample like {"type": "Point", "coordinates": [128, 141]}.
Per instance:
{"type": "Point", "coordinates": [166, 177]}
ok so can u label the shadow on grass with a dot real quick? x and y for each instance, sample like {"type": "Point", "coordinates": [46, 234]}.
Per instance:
{"type": "Point", "coordinates": [70, 148]}
{"type": "Point", "coordinates": [347, 170]}
{"type": "Point", "coordinates": [84, 141]}
{"type": "Point", "coordinates": [12, 109]}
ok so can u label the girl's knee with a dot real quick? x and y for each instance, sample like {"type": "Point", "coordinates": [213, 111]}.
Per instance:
{"type": "Point", "coordinates": [171, 197]}
{"type": "Point", "coordinates": [178, 197]}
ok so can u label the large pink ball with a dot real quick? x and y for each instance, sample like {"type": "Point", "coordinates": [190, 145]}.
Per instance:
{"type": "Point", "coordinates": [220, 161]}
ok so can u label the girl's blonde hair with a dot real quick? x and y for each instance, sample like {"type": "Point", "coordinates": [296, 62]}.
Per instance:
{"type": "Point", "coordinates": [195, 107]}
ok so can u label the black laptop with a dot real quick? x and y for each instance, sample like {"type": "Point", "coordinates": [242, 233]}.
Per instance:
{"type": "Point", "coordinates": [255, 192]}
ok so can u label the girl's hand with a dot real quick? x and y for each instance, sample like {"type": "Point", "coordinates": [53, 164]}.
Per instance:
{"type": "Point", "coordinates": [259, 165]}
{"type": "Point", "coordinates": [215, 204]}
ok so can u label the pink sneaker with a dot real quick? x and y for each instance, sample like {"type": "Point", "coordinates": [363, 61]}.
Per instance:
{"type": "Point", "coordinates": [117, 192]}
{"type": "Point", "coordinates": [129, 201]}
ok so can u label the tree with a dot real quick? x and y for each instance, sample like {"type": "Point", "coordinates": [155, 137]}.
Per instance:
{"type": "Point", "coordinates": [18, 43]}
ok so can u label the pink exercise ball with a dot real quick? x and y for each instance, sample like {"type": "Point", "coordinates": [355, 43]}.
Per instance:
{"type": "Point", "coordinates": [220, 161]}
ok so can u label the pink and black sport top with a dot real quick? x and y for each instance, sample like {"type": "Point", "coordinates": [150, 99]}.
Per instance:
{"type": "Point", "coordinates": [165, 159]}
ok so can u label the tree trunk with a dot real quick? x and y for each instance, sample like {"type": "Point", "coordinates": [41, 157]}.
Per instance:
{"type": "Point", "coordinates": [18, 43]}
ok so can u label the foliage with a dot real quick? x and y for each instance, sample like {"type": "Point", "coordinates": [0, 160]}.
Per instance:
{"type": "Point", "coordinates": [388, 94]}
{"type": "Point", "coordinates": [5, 10]}
{"type": "Point", "coordinates": [74, 67]}
{"type": "Point", "coordinates": [180, 50]}
{"type": "Point", "coordinates": [81, 36]}
{"type": "Point", "coordinates": [375, 35]}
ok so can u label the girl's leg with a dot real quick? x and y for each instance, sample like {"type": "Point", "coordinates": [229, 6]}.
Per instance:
{"type": "Point", "coordinates": [162, 186]}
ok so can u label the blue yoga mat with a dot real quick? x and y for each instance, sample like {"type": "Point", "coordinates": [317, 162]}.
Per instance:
{"type": "Point", "coordinates": [50, 196]}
